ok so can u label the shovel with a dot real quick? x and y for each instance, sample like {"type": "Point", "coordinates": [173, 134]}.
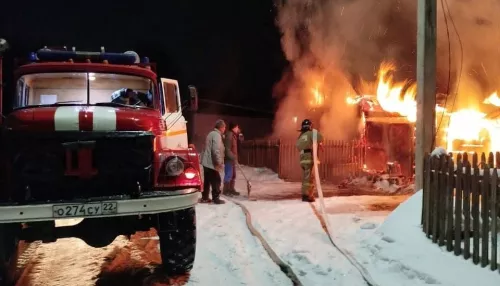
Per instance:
{"type": "Point", "coordinates": [249, 184]}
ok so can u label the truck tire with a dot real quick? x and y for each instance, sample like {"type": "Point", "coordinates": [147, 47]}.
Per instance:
{"type": "Point", "coordinates": [178, 247]}
{"type": "Point", "coordinates": [8, 247]}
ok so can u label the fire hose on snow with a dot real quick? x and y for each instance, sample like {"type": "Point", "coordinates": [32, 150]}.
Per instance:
{"type": "Point", "coordinates": [324, 219]}
{"type": "Point", "coordinates": [285, 268]}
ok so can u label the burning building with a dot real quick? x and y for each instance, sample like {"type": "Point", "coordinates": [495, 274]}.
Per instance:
{"type": "Point", "coordinates": [343, 76]}
{"type": "Point", "coordinates": [386, 122]}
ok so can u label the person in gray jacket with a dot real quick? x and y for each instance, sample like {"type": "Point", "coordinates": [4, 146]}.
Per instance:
{"type": "Point", "coordinates": [212, 161]}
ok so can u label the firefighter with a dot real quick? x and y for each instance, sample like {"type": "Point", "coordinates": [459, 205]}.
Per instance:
{"type": "Point", "coordinates": [130, 97]}
{"type": "Point", "coordinates": [305, 145]}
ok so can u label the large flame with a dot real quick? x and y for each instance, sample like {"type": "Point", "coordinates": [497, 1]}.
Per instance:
{"type": "Point", "coordinates": [465, 130]}
{"type": "Point", "coordinates": [465, 125]}
{"type": "Point", "coordinates": [392, 97]}
{"type": "Point", "coordinates": [469, 129]}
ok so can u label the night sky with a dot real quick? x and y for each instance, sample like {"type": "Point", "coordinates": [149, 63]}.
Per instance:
{"type": "Point", "coordinates": [230, 50]}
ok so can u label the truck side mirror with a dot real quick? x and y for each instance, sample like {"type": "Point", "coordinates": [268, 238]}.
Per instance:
{"type": "Point", "coordinates": [193, 98]}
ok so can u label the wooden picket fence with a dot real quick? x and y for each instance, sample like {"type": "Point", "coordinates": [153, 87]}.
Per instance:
{"type": "Point", "coordinates": [338, 159]}
{"type": "Point", "coordinates": [461, 206]}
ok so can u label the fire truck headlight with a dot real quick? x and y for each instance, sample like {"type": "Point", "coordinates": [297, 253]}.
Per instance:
{"type": "Point", "coordinates": [174, 167]}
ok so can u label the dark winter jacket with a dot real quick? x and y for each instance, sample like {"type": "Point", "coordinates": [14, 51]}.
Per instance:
{"type": "Point", "coordinates": [231, 147]}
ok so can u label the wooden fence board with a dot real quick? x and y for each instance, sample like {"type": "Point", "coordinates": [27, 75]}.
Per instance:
{"type": "Point", "coordinates": [449, 222]}
{"type": "Point", "coordinates": [435, 199]}
{"type": "Point", "coordinates": [458, 206]}
{"type": "Point", "coordinates": [461, 205]}
{"type": "Point", "coordinates": [467, 220]}
{"type": "Point", "coordinates": [337, 159]}
{"type": "Point", "coordinates": [495, 219]}
{"type": "Point", "coordinates": [441, 207]}
{"type": "Point", "coordinates": [475, 210]}
{"type": "Point", "coordinates": [485, 215]}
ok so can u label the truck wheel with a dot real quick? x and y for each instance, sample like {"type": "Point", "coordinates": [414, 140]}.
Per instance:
{"type": "Point", "coordinates": [8, 247]}
{"type": "Point", "coordinates": [178, 246]}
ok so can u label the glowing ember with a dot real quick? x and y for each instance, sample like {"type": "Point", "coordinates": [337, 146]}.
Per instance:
{"type": "Point", "coordinates": [318, 98]}
{"type": "Point", "coordinates": [493, 99]}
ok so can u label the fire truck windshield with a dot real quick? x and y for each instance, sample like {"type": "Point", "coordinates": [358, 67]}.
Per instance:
{"type": "Point", "coordinates": [83, 88]}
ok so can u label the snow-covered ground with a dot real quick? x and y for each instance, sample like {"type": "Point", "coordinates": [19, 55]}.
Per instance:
{"type": "Point", "coordinates": [227, 254]}
{"type": "Point", "coordinates": [391, 246]}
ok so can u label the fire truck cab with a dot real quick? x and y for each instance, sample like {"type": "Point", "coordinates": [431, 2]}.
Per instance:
{"type": "Point", "coordinates": [97, 137]}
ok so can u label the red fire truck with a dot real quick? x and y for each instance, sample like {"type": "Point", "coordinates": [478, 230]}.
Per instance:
{"type": "Point", "coordinates": [95, 137]}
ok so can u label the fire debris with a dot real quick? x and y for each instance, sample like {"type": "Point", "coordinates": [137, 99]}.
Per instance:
{"type": "Point", "coordinates": [390, 181]}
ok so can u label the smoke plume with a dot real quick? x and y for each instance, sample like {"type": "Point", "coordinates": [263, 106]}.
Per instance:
{"type": "Point", "coordinates": [338, 46]}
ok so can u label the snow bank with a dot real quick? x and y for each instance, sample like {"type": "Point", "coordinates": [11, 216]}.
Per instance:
{"type": "Point", "coordinates": [400, 246]}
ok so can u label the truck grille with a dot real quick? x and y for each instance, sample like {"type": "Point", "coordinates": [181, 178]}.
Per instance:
{"type": "Point", "coordinates": [47, 168]}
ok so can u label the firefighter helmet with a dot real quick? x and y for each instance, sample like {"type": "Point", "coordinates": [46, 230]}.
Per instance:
{"type": "Point", "coordinates": [306, 125]}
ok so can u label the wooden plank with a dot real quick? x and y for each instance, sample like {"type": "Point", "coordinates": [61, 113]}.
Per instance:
{"type": "Point", "coordinates": [491, 160]}
{"type": "Point", "coordinates": [467, 195]}
{"type": "Point", "coordinates": [458, 206]}
{"type": "Point", "coordinates": [449, 203]}
{"type": "Point", "coordinates": [426, 197]}
{"type": "Point", "coordinates": [434, 199]}
{"type": "Point", "coordinates": [475, 209]}
{"type": "Point", "coordinates": [494, 219]}
{"type": "Point", "coordinates": [497, 160]}
{"type": "Point", "coordinates": [441, 210]}
{"type": "Point", "coordinates": [485, 216]}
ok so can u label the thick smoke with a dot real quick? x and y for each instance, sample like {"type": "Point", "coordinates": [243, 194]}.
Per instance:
{"type": "Point", "coordinates": [338, 45]}
{"type": "Point", "coordinates": [478, 27]}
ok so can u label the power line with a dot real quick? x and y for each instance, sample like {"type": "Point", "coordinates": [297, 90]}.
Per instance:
{"type": "Point", "coordinates": [461, 55]}
{"type": "Point", "coordinates": [449, 71]}
{"type": "Point", "coordinates": [447, 13]}
{"type": "Point", "coordinates": [236, 106]}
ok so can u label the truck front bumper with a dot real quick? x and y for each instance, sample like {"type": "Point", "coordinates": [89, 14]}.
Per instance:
{"type": "Point", "coordinates": [147, 203]}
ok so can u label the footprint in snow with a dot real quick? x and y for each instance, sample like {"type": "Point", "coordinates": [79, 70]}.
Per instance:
{"type": "Point", "coordinates": [368, 225]}
{"type": "Point", "coordinates": [388, 239]}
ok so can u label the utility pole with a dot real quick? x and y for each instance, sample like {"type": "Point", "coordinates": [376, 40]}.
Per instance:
{"type": "Point", "coordinates": [426, 85]}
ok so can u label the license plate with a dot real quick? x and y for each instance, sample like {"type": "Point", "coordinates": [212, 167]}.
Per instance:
{"type": "Point", "coordinates": [84, 210]}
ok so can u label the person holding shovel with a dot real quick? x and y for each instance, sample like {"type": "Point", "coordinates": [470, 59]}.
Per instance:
{"type": "Point", "coordinates": [230, 160]}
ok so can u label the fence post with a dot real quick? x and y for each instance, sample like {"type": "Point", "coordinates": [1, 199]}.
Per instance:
{"type": "Point", "coordinates": [458, 206]}
{"type": "Point", "coordinates": [467, 200]}
{"type": "Point", "coordinates": [425, 194]}
{"type": "Point", "coordinates": [441, 195]}
{"type": "Point", "coordinates": [449, 222]}
{"type": "Point", "coordinates": [485, 244]}
{"type": "Point", "coordinates": [475, 210]}
{"type": "Point", "coordinates": [494, 218]}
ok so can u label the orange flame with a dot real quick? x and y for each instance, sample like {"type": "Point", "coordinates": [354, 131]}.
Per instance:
{"type": "Point", "coordinates": [389, 94]}
{"type": "Point", "coordinates": [318, 98]}
{"type": "Point", "coordinates": [493, 99]}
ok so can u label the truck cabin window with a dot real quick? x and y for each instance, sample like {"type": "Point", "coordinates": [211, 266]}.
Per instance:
{"type": "Point", "coordinates": [171, 96]}
{"type": "Point", "coordinates": [72, 88]}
